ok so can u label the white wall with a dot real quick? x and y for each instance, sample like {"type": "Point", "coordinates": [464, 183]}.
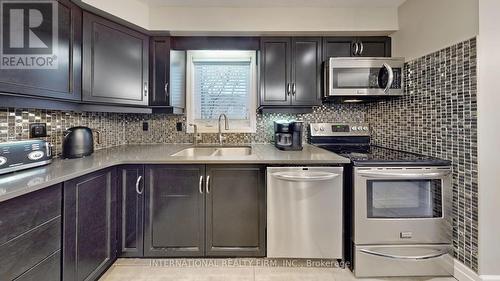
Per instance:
{"type": "Point", "coordinates": [252, 20]}
{"type": "Point", "coordinates": [489, 137]}
{"type": "Point", "coordinates": [133, 11]}
{"type": "Point", "coordinates": [426, 26]}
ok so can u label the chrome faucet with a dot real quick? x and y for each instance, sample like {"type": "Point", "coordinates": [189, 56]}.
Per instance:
{"type": "Point", "coordinates": [226, 126]}
{"type": "Point", "coordinates": [196, 136]}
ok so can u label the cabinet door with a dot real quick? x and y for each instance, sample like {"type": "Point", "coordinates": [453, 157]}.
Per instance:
{"type": "Point", "coordinates": [89, 235]}
{"type": "Point", "coordinates": [63, 81]}
{"type": "Point", "coordinates": [160, 71]}
{"type": "Point", "coordinates": [115, 62]}
{"type": "Point", "coordinates": [235, 210]}
{"type": "Point", "coordinates": [275, 69]}
{"type": "Point", "coordinates": [306, 71]}
{"type": "Point", "coordinates": [337, 47]}
{"type": "Point", "coordinates": [130, 211]}
{"type": "Point", "coordinates": [174, 211]}
{"type": "Point", "coordinates": [375, 46]}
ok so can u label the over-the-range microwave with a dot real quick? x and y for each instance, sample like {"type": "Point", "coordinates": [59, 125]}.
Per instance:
{"type": "Point", "coordinates": [358, 79]}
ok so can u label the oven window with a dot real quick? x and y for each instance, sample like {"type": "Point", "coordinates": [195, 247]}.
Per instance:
{"type": "Point", "coordinates": [404, 198]}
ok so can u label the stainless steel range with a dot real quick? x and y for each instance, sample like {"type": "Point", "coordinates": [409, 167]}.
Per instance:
{"type": "Point", "coordinates": [398, 205]}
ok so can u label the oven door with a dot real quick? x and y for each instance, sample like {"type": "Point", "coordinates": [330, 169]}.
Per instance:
{"type": "Point", "coordinates": [360, 77]}
{"type": "Point", "coordinates": [402, 205]}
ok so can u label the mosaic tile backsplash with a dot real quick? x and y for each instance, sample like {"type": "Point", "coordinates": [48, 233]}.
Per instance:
{"type": "Point", "coordinates": [438, 117]}
{"type": "Point", "coordinates": [118, 129]}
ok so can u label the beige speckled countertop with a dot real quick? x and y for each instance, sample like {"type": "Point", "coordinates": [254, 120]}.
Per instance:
{"type": "Point", "coordinates": [22, 182]}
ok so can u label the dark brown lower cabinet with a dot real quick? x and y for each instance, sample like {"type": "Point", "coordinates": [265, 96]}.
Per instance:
{"type": "Point", "coordinates": [174, 211]}
{"type": "Point", "coordinates": [89, 225]}
{"type": "Point", "coordinates": [235, 211]}
{"type": "Point", "coordinates": [198, 210]}
{"type": "Point", "coordinates": [130, 211]}
{"type": "Point", "coordinates": [30, 236]}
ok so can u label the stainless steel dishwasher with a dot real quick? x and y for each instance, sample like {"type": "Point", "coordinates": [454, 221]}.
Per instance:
{"type": "Point", "coordinates": [304, 212]}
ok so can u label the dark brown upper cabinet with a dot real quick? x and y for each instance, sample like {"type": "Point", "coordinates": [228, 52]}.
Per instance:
{"type": "Point", "coordinates": [115, 63]}
{"type": "Point", "coordinates": [167, 74]}
{"type": "Point", "coordinates": [62, 82]}
{"type": "Point", "coordinates": [290, 71]}
{"type": "Point", "coordinates": [369, 46]}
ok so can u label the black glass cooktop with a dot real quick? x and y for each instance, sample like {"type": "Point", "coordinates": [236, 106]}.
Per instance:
{"type": "Point", "coordinates": [366, 155]}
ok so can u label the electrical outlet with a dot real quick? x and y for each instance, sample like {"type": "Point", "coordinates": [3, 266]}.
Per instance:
{"type": "Point", "coordinates": [145, 126]}
{"type": "Point", "coordinates": [179, 126]}
{"type": "Point", "coordinates": [38, 130]}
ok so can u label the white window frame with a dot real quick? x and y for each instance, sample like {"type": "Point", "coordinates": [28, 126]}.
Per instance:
{"type": "Point", "coordinates": [219, 55]}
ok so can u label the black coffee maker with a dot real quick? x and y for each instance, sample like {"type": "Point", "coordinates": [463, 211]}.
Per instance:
{"type": "Point", "coordinates": [288, 135]}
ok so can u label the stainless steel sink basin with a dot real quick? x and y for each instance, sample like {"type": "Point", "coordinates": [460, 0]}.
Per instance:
{"type": "Point", "coordinates": [196, 151]}
{"type": "Point", "coordinates": [214, 151]}
{"type": "Point", "coordinates": [233, 151]}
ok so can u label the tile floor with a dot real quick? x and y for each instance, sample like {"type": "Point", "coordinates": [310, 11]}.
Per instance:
{"type": "Point", "coordinates": [144, 270]}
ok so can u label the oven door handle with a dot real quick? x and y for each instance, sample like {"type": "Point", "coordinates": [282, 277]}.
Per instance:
{"type": "Point", "coordinates": [370, 174]}
{"type": "Point", "coordinates": [421, 257]}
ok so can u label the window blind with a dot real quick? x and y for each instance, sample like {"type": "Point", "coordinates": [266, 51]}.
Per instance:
{"type": "Point", "coordinates": [222, 87]}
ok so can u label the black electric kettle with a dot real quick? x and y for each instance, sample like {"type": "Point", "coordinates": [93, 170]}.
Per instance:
{"type": "Point", "coordinates": [78, 142]}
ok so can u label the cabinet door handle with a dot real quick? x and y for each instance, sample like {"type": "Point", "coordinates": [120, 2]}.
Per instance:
{"type": "Point", "coordinates": [356, 48]}
{"type": "Point", "coordinates": [145, 89]}
{"type": "Point", "coordinates": [294, 89]}
{"type": "Point", "coordinates": [208, 185]}
{"type": "Point", "coordinates": [166, 89]}
{"type": "Point", "coordinates": [361, 48]}
{"type": "Point", "coordinates": [288, 88]}
{"type": "Point", "coordinates": [137, 183]}
{"type": "Point", "coordinates": [200, 185]}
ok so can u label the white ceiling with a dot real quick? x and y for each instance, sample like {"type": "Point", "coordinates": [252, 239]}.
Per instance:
{"type": "Point", "coordinates": [278, 3]}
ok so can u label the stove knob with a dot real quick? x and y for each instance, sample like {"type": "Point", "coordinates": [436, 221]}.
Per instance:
{"type": "Point", "coordinates": [360, 128]}
{"type": "Point", "coordinates": [3, 160]}
{"type": "Point", "coordinates": [321, 129]}
{"type": "Point", "coordinates": [365, 128]}
{"type": "Point", "coordinates": [354, 128]}
{"type": "Point", "coordinates": [315, 129]}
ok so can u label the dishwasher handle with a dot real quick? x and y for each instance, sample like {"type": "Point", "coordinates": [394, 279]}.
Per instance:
{"type": "Point", "coordinates": [301, 176]}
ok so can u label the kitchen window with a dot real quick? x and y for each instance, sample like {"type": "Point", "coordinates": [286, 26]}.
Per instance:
{"type": "Point", "coordinates": [221, 82]}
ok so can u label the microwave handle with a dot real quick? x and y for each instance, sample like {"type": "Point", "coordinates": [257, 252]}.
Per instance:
{"type": "Point", "coordinates": [390, 80]}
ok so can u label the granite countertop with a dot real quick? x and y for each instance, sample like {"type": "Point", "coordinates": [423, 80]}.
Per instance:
{"type": "Point", "coordinates": [22, 182]}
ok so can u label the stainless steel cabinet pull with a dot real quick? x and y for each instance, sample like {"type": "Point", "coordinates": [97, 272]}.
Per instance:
{"type": "Point", "coordinates": [208, 185]}
{"type": "Point", "coordinates": [423, 257]}
{"type": "Point", "coordinates": [294, 89]}
{"type": "Point", "coordinates": [361, 48]}
{"type": "Point", "coordinates": [137, 183]}
{"type": "Point", "coordinates": [145, 89]}
{"type": "Point", "coordinates": [356, 48]}
{"type": "Point", "coordinates": [166, 88]}
{"type": "Point", "coordinates": [288, 88]}
{"type": "Point", "coordinates": [200, 186]}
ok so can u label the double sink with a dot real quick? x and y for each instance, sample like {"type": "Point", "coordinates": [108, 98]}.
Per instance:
{"type": "Point", "coordinates": [208, 151]}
